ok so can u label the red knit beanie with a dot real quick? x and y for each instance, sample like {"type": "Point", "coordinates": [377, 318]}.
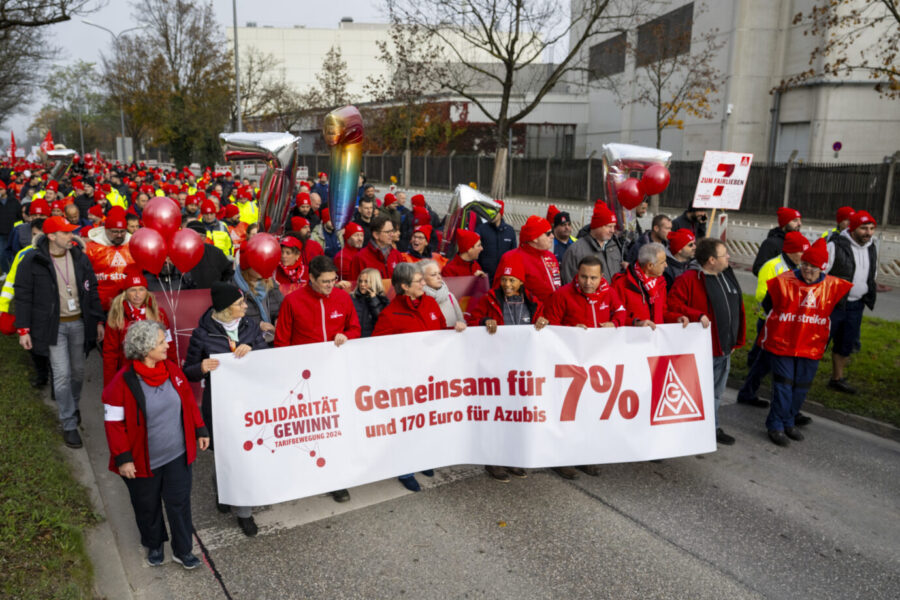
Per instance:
{"type": "Point", "coordinates": [794, 241]}
{"type": "Point", "coordinates": [817, 254]}
{"type": "Point", "coordinates": [418, 200]}
{"type": "Point", "coordinates": [298, 223]}
{"type": "Point", "coordinates": [602, 217]}
{"type": "Point", "coordinates": [844, 212]}
{"type": "Point", "coordinates": [679, 239]}
{"type": "Point", "coordinates": [134, 277]}
{"type": "Point", "coordinates": [389, 199]}
{"type": "Point", "coordinates": [466, 240]}
{"type": "Point", "coordinates": [552, 211]}
{"type": "Point", "coordinates": [352, 228]}
{"type": "Point", "coordinates": [424, 230]}
{"type": "Point", "coordinates": [511, 266]}
{"type": "Point", "coordinates": [786, 215]}
{"type": "Point", "coordinates": [534, 228]}
{"type": "Point", "coordinates": [861, 217]}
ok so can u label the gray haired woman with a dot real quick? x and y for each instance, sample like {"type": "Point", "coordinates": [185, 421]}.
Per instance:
{"type": "Point", "coordinates": [436, 287]}
{"type": "Point", "coordinates": [153, 428]}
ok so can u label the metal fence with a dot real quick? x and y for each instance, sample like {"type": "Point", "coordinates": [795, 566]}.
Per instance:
{"type": "Point", "coordinates": [816, 190]}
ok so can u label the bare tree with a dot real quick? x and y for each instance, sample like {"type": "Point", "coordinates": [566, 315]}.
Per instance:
{"type": "Point", "coordinates": [260, 83]}
{"type": "Point", "coordinates": [675, 74]}
{"type": "Point", "coordinates": [333, 80]}
{"type": "Point", "coordinates": [38, 13]}
{"type": "Point", "coordinates": [856, 36]}
{"type": "Point", "coordinates": [498, 42]}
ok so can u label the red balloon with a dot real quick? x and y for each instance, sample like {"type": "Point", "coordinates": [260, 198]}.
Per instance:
{"type": "Point", "coordinates": [655, 180]}
{"type": "Point", "coordinates": [162, 214]}
{"type": "Point", "coordinates": [148, 248]}
{"type": "Point", "coordinates": [263, 253]}
{"type": "Point", "coordinates": [186, 249]}
{"type": "Point", "coordinates": [629, 193]}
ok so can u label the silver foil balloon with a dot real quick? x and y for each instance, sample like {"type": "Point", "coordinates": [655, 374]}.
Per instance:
{"type": "Point", "coordinates": [621, 161]}
{"type": "Point", "coordinates": [279, 152]}
{"type": "Point", "coordinates": [61, 160]}
{"type": "Point", "coordinates": [464, 202]}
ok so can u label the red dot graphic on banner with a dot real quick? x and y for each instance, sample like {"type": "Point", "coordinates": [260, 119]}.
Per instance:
{"type": "Point", "coordinates": [320, 462]}
{"type": "Point", "coordinates": [306, 374]}
{"type": "Point", "coordinates": [299, 396]}
{"type": "Point", "coordinates": [248, 445]}
{"type": "Point", "coordinates": [259, 442]}
{"type": "Point", "coordinates": [312, 453]}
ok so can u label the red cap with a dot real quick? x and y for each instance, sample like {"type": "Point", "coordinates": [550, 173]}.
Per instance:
{"type": "Point", "coordinates": [39, 207]}
{"type": "Point", "coordinates": [57, 205]}
{"type": "Point", "coordinates": [602, 217]}
{"type": "Point", "coordinates": [418, 200]}
{"type": "Point", "coordinates": [843, 213]}
{"type": "Point", "coordinates": [421, 215]}
{"type": "Point", "coordinates": [291, 242]}
{"type": "Point", "coordinates": [298, 223]}
{"type": "Point", "coordinates": [861, 217]}
{"type": "Point", "coordinates": [245, 192]}
{"type": "Point", "coordinates": [679, 239]}
{"type": "Point", "coordinates": [466, 240]}
{"type": "Point", "coordinates": [302, 199]}
{"type": "Point", "coordinates": [817, 254]}
{"type": "Point", "coordinates": [96, 210]}
{"type": "Point", "coordinates": [208, 207]}
{"type": "Point", "coordinates": [389, 199]}
{"type": "Point", "coordinates": [794, 241]}
{"type": "Point", "coordinates": [511, 266]}
{"type": "Point", "coordinates": [534, 228]}
{"type": "Point", "coordinates": [232, 211]}
{"type": "Point", "coordinates": [502, 205]}
{"type": "Point", "coordinates": [134, 277]}
{"type": "Point", "coordinates": [53, 185]}
{"type": "Point", "coordinates": [786, 215]}
{"type": "Point", "coordinates": [552, 211]}
{"type": "Point", "coordinates": [325, 214]}
{"type": "Point", "coordinates": [55, 224]}
{"type": "Point", "coordinates": [321, 174]}
{"type": "Point", "coordinates": [115, 218]}
{"type": "Point", "coordinates": [424, 230]}
{"type": "Point", "coordinates": [352, 228]}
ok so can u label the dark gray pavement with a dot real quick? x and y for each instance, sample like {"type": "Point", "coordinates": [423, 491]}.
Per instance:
{"type": "Point", "coordinates": [819, 519]}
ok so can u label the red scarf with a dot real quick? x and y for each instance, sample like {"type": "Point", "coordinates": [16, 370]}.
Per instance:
{"type": "Point", "coordinates": [134, 314]}
{"type": "Point", "coordinates": [294, 273]}
{"type": "Point", "coordinates": [155, 376]}
{"type": "Point", "coordinates": [649, 283]}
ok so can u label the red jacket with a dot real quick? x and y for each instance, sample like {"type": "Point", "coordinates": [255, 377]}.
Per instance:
{"type": "Point", "coordinates": [109, 264]}
{"type": "Point", "coordinates": [308, 317]}
{"type": "Point", "coordinates": [114, 351]}
{"type": "Point", "coordinates": [570, 306]}
{"type": "Point", "coordinates": [488, 308]}
{"type": "Point", "coordinates": [126, 422]}
{"type": "Point", "coordinates": [541, 270]}
{"type": "Point", "coordinates": [640, 305]}
{"type": "Point", "coordinates": [370, 257]}
{"type": "Point", "coordinates": [460, 268]}
{"type": "Point", "coordinates": [401, 316]}
{"type": "Point", "coordinates": [688, 297]}
{"type": "Point", "coordinates": [800, 320]}
{"type": "Point", "coordinates": [344, 260]}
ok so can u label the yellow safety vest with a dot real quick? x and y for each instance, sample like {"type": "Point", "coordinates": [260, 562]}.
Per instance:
{"type": "Point", "coordinates": [159, 193]}
{"type": "Point", "coordinates": [772, 268]}
{"type": "Point", "coordinates": [221, 239]}
{"type": "Point", "coordinates": [829, 232]}
{"type": "Point", "coordinates": [39, 194]}
{"type": "Point", "coordinates": [8, 291]}
{"type": "Point", "coordinates": [249, 212]}
{"type": "Point", "coordinates": [117, 199]}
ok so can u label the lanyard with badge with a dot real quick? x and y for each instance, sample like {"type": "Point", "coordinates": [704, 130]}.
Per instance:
{"type": "Point", "coordinates": [70, 302]}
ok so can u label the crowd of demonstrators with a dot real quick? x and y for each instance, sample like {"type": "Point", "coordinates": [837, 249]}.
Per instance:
{"type": "Point", "coordinates": [72, 283]}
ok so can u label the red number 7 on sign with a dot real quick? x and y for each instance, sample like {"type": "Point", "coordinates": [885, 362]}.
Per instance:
{"type": "Point", "coordinates": [726, 170]}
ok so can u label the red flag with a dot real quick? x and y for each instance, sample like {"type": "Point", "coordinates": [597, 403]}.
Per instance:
{"type": "Point", "coordinates": [12, 145]}
{"type": "Point", "coordinates": [47, 144]}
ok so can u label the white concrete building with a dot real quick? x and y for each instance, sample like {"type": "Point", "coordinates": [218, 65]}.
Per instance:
{"type": "Point", "coordinates": [762, 48]}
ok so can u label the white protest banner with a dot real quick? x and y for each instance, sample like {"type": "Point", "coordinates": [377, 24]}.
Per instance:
{"type": "Point", "coordinates": [723, 176]}
{"type": "Point", "coordinates": [303, 420]}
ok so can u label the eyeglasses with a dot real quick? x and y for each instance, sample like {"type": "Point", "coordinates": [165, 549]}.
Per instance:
{"type": "Point", "coordinates": [549, 234]}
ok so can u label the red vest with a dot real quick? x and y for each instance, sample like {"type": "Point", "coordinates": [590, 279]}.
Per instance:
{"type": "Point", "coordinates": [800, 320]}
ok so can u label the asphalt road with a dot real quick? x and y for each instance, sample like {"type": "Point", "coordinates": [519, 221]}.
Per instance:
{"type": "Point", "coordinates": [816, 520]}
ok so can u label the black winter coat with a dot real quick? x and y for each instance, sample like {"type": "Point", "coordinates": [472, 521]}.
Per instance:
{"type": "Point", "coordinates": [37, 297]}
{"type": "Point", "coordinates": [769, 249]}
{"type": "Point", "coordinates": [210, 338]}
{"type": "Point", "coordinates": [367, 309]}
{"type": "Point", "coordinates": [496, 242]}
{"type": "Point", "coordinates": [10, 212]}
{"type": "Point", "coordinates": [213, 266]}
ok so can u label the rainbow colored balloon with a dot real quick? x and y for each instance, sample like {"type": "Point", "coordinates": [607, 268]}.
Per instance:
{"type": "Point", "coordinates": [343, 132]}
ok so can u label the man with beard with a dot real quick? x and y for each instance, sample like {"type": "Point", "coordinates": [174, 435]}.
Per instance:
{"type": "Point", "coordinates": [679, 254]}
{"type": "Point", "coordinates": [693, 219]}
{"type": "Point", "coordinates": [354, 238]}
{"type": "Point", "coordinates": [107, 249]}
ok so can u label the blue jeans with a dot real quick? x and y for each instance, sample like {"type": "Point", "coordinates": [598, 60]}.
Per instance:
{"type": "Point", "coordinates": [171, 483]}
{"type": "Point", "coordinates": [721, 366]}
{"type": "Point", "coordinates": [791, 378]}
{"type": "Point", "coordinates": [67, 366]}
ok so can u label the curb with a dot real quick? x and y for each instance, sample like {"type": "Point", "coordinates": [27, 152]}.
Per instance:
{"type": "Point", "coordinates": [885, 430]}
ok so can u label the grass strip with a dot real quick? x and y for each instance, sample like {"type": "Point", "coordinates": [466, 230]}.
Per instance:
{"type": "Point", "coordinates": [44, 511]}
{"type": "Point", "coordinates": [873, 371]}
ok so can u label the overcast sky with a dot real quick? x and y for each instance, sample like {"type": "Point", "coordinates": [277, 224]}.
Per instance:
{"type": "Point", "coordinates": [78, 41]}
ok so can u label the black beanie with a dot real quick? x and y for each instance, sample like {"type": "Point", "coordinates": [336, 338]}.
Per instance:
{"type": "Point", "coordinates": [223, 295]}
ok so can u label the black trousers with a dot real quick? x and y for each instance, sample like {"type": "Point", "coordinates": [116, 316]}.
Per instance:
{"type": "Point", "coordinates": [171, 483]}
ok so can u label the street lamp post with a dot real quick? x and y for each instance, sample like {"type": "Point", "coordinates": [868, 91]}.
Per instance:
{"type": "Point", "coordinates": [116, 37]}
{"type": "Point", "coordinates": [237, 81]}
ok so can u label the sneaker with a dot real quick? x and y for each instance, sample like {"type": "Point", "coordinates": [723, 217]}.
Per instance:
{"type": "Point", "coordinates": [592, 470]}
{"type": "Point", "coordinates": [802, 420]}
{"type": "Point", "coordinates": [428, 472]}
{"type": "Point", "coordinates": [793, 433]}
{"type": "Point", "coordinates": [498, 473]}
{"type": "Point", "coordinates": [566, 472]}
{"type": "Point", "coordinates": [778, 438]}
{"type": "Point", "coordinates": [410, 483]}
{"type": "Point", "coordinates": [188, 561]}
{"type": "Point", "coordinates": [340, 495]}
{"type": "Point", "coordinates": [517, 472]}
{"type": "Point", "coordinates": [841, 385]}
{"type": "Point", "coordinates": [248, 526]}
{"type": "Point", "coordinates": [72, 438]}
{"type": "Point", "coordinates": [754, 401]}
{"type": "Point", "coordinates": [723, 438]}
{"type": "Point", "coordinates": [155, 556]}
